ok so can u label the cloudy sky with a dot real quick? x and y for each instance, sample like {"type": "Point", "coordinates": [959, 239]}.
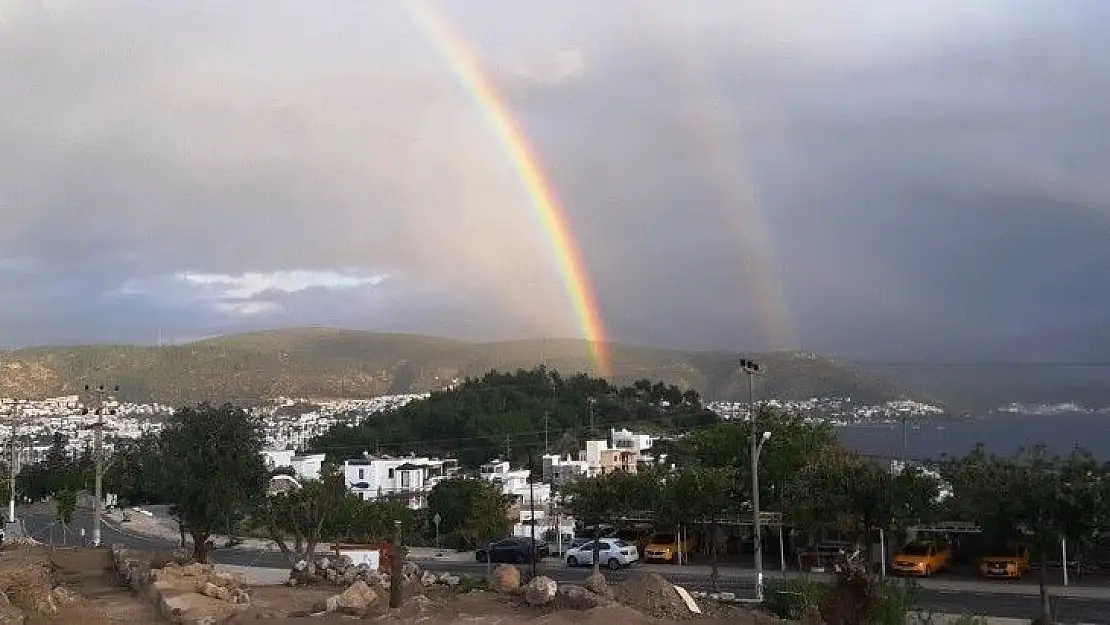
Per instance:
{"type": "Point", "coordinates": [890, 180]}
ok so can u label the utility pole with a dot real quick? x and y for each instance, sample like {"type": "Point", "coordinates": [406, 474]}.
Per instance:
{"type": "Point", "coordinates": [508, 448]}
{"type": "Point", "coordinates": [99, 393]}
{"type": "Point", "coordinates": [397, 567]}
{"type": "Point", "coordinates": [751, 369]}
{"type": "Point", "coordinates": [17, 413]}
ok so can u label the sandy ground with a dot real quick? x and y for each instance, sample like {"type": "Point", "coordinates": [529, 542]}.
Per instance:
{"type": "Point", "coordinates": [28, 575]}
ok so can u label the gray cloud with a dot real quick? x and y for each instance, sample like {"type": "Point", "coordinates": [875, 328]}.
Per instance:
{"type": "Point", "coordinates": [886, 180]}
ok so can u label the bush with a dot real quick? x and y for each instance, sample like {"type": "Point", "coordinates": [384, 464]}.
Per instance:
{"type": "Point", "coordinates": [468, 584]}
{"type": "Point", "coordinates": [895, 597]}
{"type": "Point", "coordinates": [793, 599]}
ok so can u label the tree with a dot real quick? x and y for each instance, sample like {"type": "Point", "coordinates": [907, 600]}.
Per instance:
{"type": "Point", "coordinates": [66, 501]}
{"type": "Point", "coordinates": [794, 445]}
{"type": "Point", "coordinates": [136, 472]}
{"type": "Point", "coordinates": [472, 512]}
{"type": "Point", "coordinates": [852, 495]}
{"type": "Point", "coordinates": [596, 500]}
{"type": "Point", "coordinates": [1051, 498]}
{"type": "Point", "coordinates": [214, 456]}
{"type": "Point", "coordinates": [702, 495]}
{"type": "Point", "coordinates": [303, 513]}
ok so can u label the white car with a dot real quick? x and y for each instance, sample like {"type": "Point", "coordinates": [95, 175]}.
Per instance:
{"type": "Point", "coordinates": [614, 553]}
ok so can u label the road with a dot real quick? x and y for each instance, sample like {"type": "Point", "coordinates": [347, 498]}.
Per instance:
{"type": "Point", "coordinates": [41, 525]}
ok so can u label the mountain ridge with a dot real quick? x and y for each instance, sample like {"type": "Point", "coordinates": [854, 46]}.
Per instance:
{"type": "Point", "coordinates": [334, 362]}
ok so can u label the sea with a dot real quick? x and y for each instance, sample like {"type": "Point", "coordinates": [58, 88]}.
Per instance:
{"type": "Point", "coordinates": [1002, 434]}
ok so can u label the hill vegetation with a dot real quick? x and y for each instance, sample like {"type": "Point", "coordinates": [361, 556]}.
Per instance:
{"type": "Point", "coordinates": [516, 415]}
{"type": "Point", "coordinates": [328, 363]}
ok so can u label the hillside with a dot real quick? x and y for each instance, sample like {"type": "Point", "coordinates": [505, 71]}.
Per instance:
{"type": "Point", "coordinates": [321, 363]}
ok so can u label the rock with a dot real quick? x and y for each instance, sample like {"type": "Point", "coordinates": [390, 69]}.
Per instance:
{"type": "Point", "coordinates": [301, 565]}
{"type": "Point", "coordinates": [597, 584]}
{"type": "Point", "coordinates": [506, 578]}
{"type": "Point", "coordinates": [11, 615]}
{"type": "Point", "coordinates": [323, 563]}
{"type": "Point", "coordinates": [196, 570]}
{"type": "Point", "coordinates": [450, 580]}
{"type": "Point", "coordinates": [216, 592]}
{"type": "Point", "coordinates": [410, 569]}
{"type": "Point", "coordinates": [63, 596]}
{"type": "Point", "coordinates": [428, 578]}
{"type": "Point", "coordinates": [579, 598]}
{"type": "Point", "coordinates": [540, 591]}
{"type": "Point", "coordinates": [356, 600]}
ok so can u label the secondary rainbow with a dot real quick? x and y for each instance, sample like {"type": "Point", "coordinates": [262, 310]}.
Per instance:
{"type": "Point", "coordinates": [463, 63]}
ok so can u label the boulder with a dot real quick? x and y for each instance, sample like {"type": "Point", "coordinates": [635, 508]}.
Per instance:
{"type": "Point", "coordinates": [216, 592]}
{"type": "Point", "coordinates": [540, 591]}
{"type": "Point", "coordinates": [597, 584]}
{"type": "Point", "coordinates": [323, 563]}
{"type": "Point", "coordinates": [450, 580]}
{"type": "Point", "coordinates": [506, 578]}
{"type": "Point", "coordinates": [428, 578]}
{"type": "Point", "coordinates": [578, 598]}
{"type": "Point", "coordinates": [356, 600]}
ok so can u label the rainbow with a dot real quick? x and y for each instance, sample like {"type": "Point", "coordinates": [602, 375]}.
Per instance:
{"type": "Point", "coordinates": [463, 63]}
{"type": "Point", "coordinates": [720, 154]}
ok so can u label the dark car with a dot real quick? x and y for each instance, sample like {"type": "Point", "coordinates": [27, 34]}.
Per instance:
{"type": "Point", "coordinates": [513, 550]}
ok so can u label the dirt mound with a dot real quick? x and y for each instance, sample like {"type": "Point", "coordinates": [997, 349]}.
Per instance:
{"type": "Point", "coordinates": [653, 595]}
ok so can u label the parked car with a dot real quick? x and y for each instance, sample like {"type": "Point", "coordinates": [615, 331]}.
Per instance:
{"type": "Point", "coordinates": [665, 547]}
{"type": "Point", "coordinates": [1009, 562]}
{"type": "Point", "coordinates": [512, 550]}
{"type": "Point", "coordinates": [613, 552]}
{"type": "Point", "coordinates": [922, 558]}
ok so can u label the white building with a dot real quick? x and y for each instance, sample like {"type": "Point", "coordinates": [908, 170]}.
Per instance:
{"type": "Point", "coordinates": [559, 471]}
{"type": "Point", "coordinates": [305, 467]}
{"type": "Point", "coordinates": [411, 478]}
{"type": "Point", "coordinates": [514, 483]}
{"type": "Point", "coordinates": [626, 440]}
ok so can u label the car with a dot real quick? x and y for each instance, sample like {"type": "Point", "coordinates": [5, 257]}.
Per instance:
{"type": "Point", "coordinates": [613, 552]}
{"type": "Point", "coordinates": [512, 550]}
{"type": "Point", "coordinates": [922, 558]}
{"type": "Point", "coordinates": [665, 547]}
{"type": "Point", "coordinates": [1009, 562]}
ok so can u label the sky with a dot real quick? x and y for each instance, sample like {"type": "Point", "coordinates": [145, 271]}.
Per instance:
{"type": "Point", "coordinates": [893, 181]}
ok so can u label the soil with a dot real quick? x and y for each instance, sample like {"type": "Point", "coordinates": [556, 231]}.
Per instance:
{"type": "Point", "coordinates": [28, 575]}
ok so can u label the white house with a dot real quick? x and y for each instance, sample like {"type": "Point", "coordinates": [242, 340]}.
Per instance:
{"type": "Point", "coordinates": [305, 467]}
{"type": "Point", "coordinates": [559, 471]}
{"type": "Point", "coordinates": [411, 478]}
{"type": "Point", "coordinates": [514, 483]}
{"type": "Point", "coordinates": [626, 440]}
{"type": "Point", "coordinates": [308, 466]}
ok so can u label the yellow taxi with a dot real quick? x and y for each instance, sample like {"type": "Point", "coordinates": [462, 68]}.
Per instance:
{"type": "Point", "coordinates": [1007, 563]}
{"type": "Point", "coordinates": [922, 558]}
{"type": "Point", "coordinates": [665, 547]}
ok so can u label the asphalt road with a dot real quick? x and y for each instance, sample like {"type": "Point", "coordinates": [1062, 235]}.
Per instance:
{"type": "Point", "coordinates": [40, 523]}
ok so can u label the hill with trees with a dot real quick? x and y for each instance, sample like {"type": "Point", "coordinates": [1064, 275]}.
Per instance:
{"type": "Point", "coordinates": [515, 416]}
{"type": "Point", "coordinates": [329, 363]}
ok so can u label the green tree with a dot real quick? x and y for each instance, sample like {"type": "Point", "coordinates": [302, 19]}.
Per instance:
{"type": "Point", "coordinates": [1052, 498]}
{"type": "Point", "coordinates": [66, 502]}
{"type": "Point", "coordinates": [472, 512]}
{"type": "Point", "coordinates": [136, 472]}
{"type": "Point", "coordinates": [794, 445]}
{"type": "Point", "coordinates": [304, 513]}
{"type": "Point", "coordinates": [706, 495]}
{"type": "Point", "coordinates": [213, 456]}
{"type": "Point", "coordinates": [608, 497]}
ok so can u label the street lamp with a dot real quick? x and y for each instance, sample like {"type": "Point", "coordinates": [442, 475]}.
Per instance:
{"type": "Point", "coordinates": [752, 369]}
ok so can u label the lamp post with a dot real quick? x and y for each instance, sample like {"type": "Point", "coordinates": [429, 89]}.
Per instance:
{"type": "Point", "coordinates": [100, 393]}
{"type": "Point", "coordinates": [752, 369]}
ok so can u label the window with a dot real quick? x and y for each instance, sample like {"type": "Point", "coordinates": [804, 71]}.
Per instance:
{"type": "Point", "coordinates": [606, 546]}
{"type": "Point", "coordinates": [392, 472]}
{"type": "Point", "coordinates": [406, 479]}
{"type": "Point", "coordinates": [362, 474]}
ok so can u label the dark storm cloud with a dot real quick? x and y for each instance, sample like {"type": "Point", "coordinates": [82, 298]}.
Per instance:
{"type": "Point", "coordinates": [929, 177]}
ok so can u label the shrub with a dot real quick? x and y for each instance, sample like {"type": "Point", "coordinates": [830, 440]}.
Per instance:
{"type": "Point", "coordinates": [795, 598]}
{"type": "Point", "coordinates": [895, 597]}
